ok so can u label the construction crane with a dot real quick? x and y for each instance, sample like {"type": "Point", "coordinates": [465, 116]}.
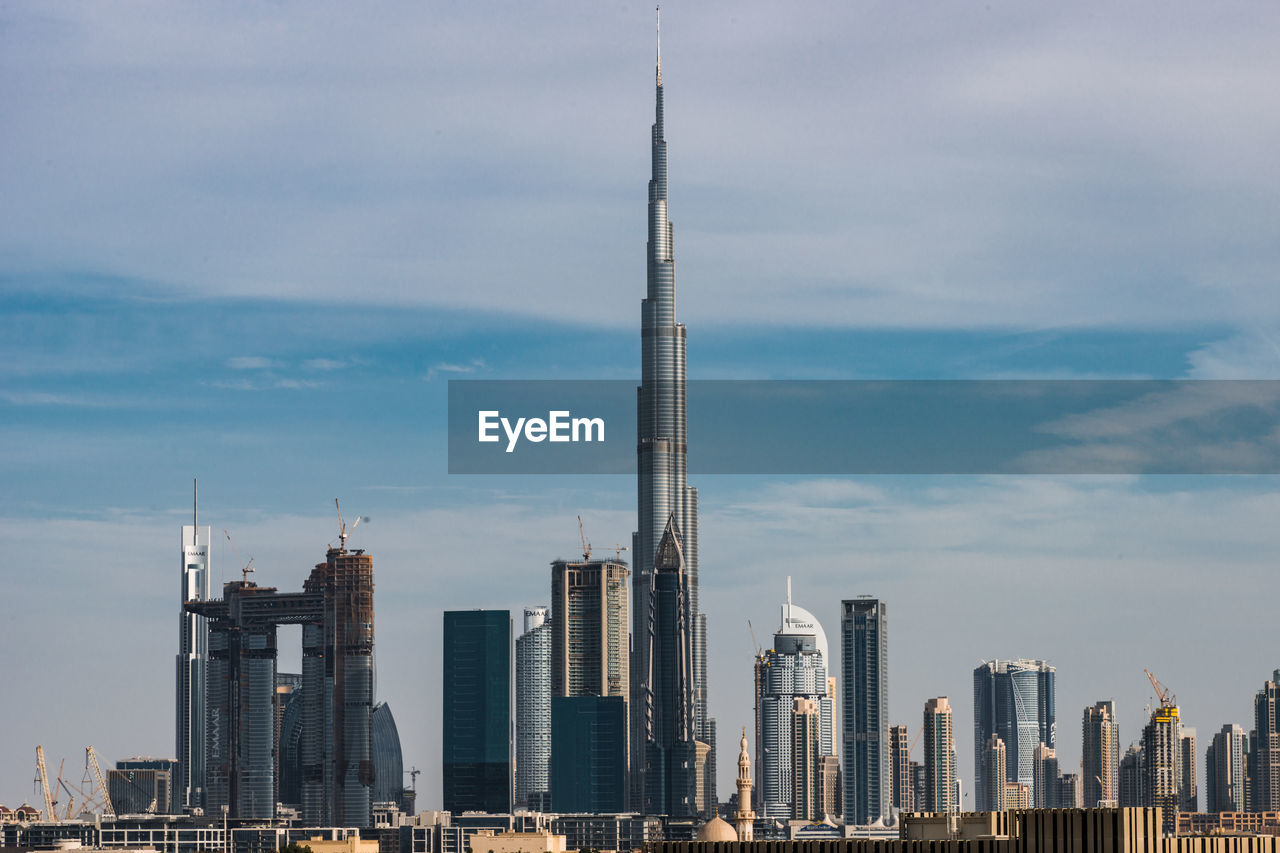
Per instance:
{"type": "Point", "coordinates": [91, 759]}
{"type": "Point", "coordinates": [755, 645]}
{"type": "Point", "coordinates": [1166, 697]}
{"type": "Point", "coordinates": [71, 799]}
{"type": "Point", "coordinates": [413, 774]}
{"type": "Point", "coordinates": [617, 551]}
{"type": "Point", "coordinates": [586, 546]}
{"type": "Point", "coordinates": [42, 779]}
{"type": "Point", "coordinates": [245, 568]}
{"type": "Point", "coordinates": [343, 532]}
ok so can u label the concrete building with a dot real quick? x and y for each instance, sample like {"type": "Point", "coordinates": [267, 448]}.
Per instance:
{"type": "Point", "coordinates": [476, 695]}
{"type": "Point", "coordinates": [1045, 761]}
{"type": "Point", "coordinates": [1226, 764]}
{"type": "Point", "coordinates": [588, 754]}
{"type": "Point", "coordinates": [663, 495]}
{"type": "Point", "coordinates": [900, 786]}
{"type": "Point", "coordinates": [1101, 756]}
{"type": "Point", "coordinates": [590, 655]}
{"type": "Point", "coordinates": [1014, 699]}
{"type": "Point", "coordinates": [533, 712]}
{"type": "Point", "coordinates": [806, 753]}
{"type": "Point", "coordinates": [939, 757]}
{"type": "Point", "coordinates": [1132, 778]}
{"type": "Point", "coordinates": [1070, 792]}
{"type": "Point", "coordinates": [795, 668]}
{"type": "Point", "coordinates": [1265, 744]}
{"type": "Point", "coordinates": [1188, 771]}
{"type": "Point", "coordinates": [337, 692]}
{"type": "Point", "coordinates": [192, 662]}
{"type": "Point", "coordinates": [1161, 751]}
{"type": "Point", "coordinates": [993, 763]}
{"type": "Point", "coordinates": [864, 729]}
{"type": "Point", "coordinates": [1017, 797]}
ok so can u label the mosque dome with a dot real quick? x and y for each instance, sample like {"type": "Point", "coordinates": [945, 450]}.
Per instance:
{"type": "Point", "coordinates": [717, 829]}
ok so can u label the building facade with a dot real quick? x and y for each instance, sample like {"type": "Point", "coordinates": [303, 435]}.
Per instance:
{"type": "Point", "coordinates": [142, 785]}
{"type": "Point", "coordinates": [661, 466]}
{"type": "Point", "coordinates": [192, 667]}
{"type": "Point", "coordinates": [1014, 699]}
{"type": "Point", "coordinates": [939, 757]}
{"type": "Point", "coordinates": [1045, 761]}
{"type": "Point", "coordinates": [1226, 765]}
{"type": "Point", "coordinates": [1162, 756]}
{"type": "Point", "coordinates": [388, 758]}
{"type": "Point", "coordinates": [806, 754]}
{"type": "Point", "coordinates": [900, 783]}
{"type": "Point", "coordinates": [671, 753]}
{"type": "Point", "coordinates": [588, 754]}
{"type": "Point", "coordinates": [533, 712]}
{"type": "Point", "coordinates": [795, 668]}
{"type": "Point", "coordinates": [1132, 778]}
{"type": "Point", "coordinates": [993, 763]}
{"type": "Point", "coordinates": [477, 711]}
{"type": "Point", "coordinates": [1188, 771]}
{"type": "Point", "coordinates": [1266, 747]}
{"type": "Point", "coordinates": [1101, 756]}
{"type": "Point", "coordinates": [864, 729]}
{"type": "Point", "coordinates": [337, 692]}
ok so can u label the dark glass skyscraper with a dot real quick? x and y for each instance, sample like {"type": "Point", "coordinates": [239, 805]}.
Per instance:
{"type": "Point", "coordinates": [588, 754]}
{"type": "Point", "coordinates": [671, 771]}
{"type": "Point", "coordinates": [864, 635]}
{"type": "Point", "coordinates": [662, 491]}
{"type": "Point", "coordinates": [477, 711]}
{"type": "Point", "coordinates": [388, 760]}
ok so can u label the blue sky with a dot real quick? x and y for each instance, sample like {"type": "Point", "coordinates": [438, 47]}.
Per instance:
{"type": "Point", "coordinates": [252, 244]}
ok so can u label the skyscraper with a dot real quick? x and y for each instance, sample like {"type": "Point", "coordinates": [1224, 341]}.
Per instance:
{"type": "Point", "coordinates": [806, 733]}
{"type": "Point", "coordinates": [387, 757]}
{"type": "Point", "coordinates": [1188, 799]}
{"type": "Point", "coordinates": [337, 692]}
{"type": "Point", "coordinates": [533, 712]}
{"type": "Point", "coordinates": [993, 761]}
{"type": "Point", "coordinates": [1101, 755]}
{"type": "Point", "coordinates": [939, 758]}
{"type": "Point", "coordinates": [1161, 752]}
{"type": "Point", "coordinates": [590, 640]}
{"type": "Point", "coordinates": [670, 774]}
{"type": "Point", "coordinates": [192, 661]}
{"type": "Point", "coordinates": [1045, 761]}
{"type": "Point", "coordinates": [1226, 769]}
{"type": "Point", "coordinates": [1266, 746]}
{"type": "Point", "coordinates": [662, 490]}
{"type": "Point", "coordinates": [796, 667]}
{"type": "Point", "coordinates": [1014, 699]}
{"type": "Point", "coordinates": [1131, 779]}
{"type": "Point", "coordinates": [588, 754]}
{"type": "Point", "coordinates": [900, 769]}
{"type": "Point", "coordinates": [477, 711]}
{"type": "Point", "coordinates": [240, 770]}
{"type": "Point", "coordinates": [864, 635]}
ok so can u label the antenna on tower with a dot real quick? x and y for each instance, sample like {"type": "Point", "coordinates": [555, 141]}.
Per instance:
{"type": "Point", "coordinates": [658, 14]}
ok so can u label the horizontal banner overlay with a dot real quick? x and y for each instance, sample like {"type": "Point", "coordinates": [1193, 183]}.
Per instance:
{"type": "Point", "coordinates": [875, 427]}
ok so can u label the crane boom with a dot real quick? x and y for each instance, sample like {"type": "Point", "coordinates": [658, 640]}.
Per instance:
{"type": "Point", "coordinates": [42, 776]}
{"type": "Point", "coordinates": [92, 758]}
{"type": "Point", "coordinates": [1167, 699]}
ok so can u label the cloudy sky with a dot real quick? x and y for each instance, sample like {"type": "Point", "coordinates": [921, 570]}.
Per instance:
{"type": "Point", "coordinates": [252, 243]}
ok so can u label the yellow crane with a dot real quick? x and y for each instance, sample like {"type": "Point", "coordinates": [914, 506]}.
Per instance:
{"type": "Point", "coordinates": [586, 546]}
{"type": "Point", "coordinates": [91, 759]}
{"type": "Point", "coordinates": [245, 568]}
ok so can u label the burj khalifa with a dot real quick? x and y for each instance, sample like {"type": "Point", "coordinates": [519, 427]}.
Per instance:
{"type": "Point", "coordinates": [662, 492]}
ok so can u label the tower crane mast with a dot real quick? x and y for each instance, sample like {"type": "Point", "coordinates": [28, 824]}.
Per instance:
{"type": "Point", "coordinates": [42, 776]}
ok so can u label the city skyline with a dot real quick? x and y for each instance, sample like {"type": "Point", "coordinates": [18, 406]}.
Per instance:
{"type": "Point", "coordinates": [98, 389]}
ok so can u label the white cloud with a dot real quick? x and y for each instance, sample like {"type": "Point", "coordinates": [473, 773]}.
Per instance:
{"type": "Point", "coordinates": [461, 369]}
{"type": "Point", "coordinates": [251, 362]}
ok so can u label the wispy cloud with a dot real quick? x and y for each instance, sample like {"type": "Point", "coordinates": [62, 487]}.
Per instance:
{"type": "Point", "coordinates": [45, 398]}
{"type": "Point", "coordinates": [251, 362]}
{"type": "Point", "coordinates": [267, 384]}
{"type": "Point", "coordinates": [446, 367]}
{"type": "Point", "coordinates": [325, 364]}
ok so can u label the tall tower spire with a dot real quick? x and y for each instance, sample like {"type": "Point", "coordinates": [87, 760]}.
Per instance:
{"type": "Point", "coordinates": [659, 27]}
{"type": "Point", "coordinates": [662, 491]}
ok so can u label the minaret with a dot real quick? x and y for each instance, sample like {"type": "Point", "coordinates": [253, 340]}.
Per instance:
{"type": "Point", "coordinates": [744, 818]}
{"type": "Point", "coordinates": [662, 491]}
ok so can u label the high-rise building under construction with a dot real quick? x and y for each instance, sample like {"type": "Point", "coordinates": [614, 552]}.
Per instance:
{"type": "Point", "coordinates": [662, 490]}
{"type": "Point", "coordinates": [337, 693]}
